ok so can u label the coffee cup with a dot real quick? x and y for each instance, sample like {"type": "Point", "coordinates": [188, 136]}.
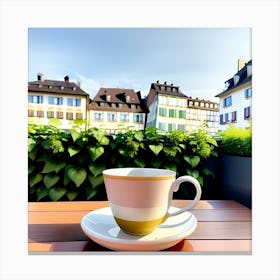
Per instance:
{"type": "Point", "coordinates": [140, 198]}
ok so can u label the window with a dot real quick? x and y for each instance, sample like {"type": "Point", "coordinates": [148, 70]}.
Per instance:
{"type": "Point", "coordinates": [247, 112]}
{"type": "Point", "coordinates": [181, 127]}
{"type": "Point", "coordinates": [227, 101]}
{"type": "Point", "coordinates": [69, 116]}
{"type": "Point", "coordinates": [171, 126]}
{"type": "Point", "coordinates": [233, 116]}
{"type": "Point", "coordinates": [98, 116]}
{"type": "Point", "coordinates": [226, 117]}
{"type": "Point", "coordinates": [172, 113]}
{"type": "Point", "coordinates": [182, 114]}
{"type": "Point", "coordinates": [40, 114]}
{"type": "Point", "coordinates": [138, 118]}
{"type": "Point", "coordinates": [162, 112]}
{"type": "Point", "coordinates": [111, 117]}
{"type": "Point", "coordinates": [55, 100]}
{"type": "Point", "coordinates": [30, 113]}
{"type": "Point", "coordinates": [37, 99]}
{"type": "Point", "coordinates": [221, 119]}
{"type": "Point", "coordinates": [79, 116]}
{"type": "Point", "coordinates": [248, 93]}
{"type": "Point", "coordinates": [76, 102]}
{"type": "Point", "coordinates": [124, 117]}
{"type": "Point", "coordinates": [50, 114]}
{"type": "Point", "coordinates": [161, 126]}
{"type": "Point", "coordinates": [163, 100]}
{"type": "Point", "coordinates": [172, 101]}
{"type": "Point", "coordinates": [59, 115]}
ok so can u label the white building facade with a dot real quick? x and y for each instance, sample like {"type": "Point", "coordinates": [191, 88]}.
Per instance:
{"type": "Point", "coordinates": [59, 103]}
{"type": "Point", "coordinates": [170, 109]}
{"type": "Point", "coordinates": [236, 99]}
{"type": "Point", "coordinates": [116, 109]}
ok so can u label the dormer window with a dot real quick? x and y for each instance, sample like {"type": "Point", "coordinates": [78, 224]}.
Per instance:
{"type": "Point", "coordinates": [74, 88]}
{"type": "Point", "coordinates": [236, 79]}
{"type": "Point", "coordinates": [62, 87]}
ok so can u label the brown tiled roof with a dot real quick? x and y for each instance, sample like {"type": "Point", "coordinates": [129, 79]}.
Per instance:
{"type": "Point", "coordinates": [53, 86]}
{"type": "Point", "coordinates": [118, 99]}
{"type": "Point", "coordinates": [164, 89]}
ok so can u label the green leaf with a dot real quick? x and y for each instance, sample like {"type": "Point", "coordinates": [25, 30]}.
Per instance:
{"type": "Point", "coordinates": [32, 154]}
{"type": "Point", "coordinates": [192, 160]}
{"type": "Point", "coordinates": [31, 168]}
{"type": "Point", "coordinates": [75, 135]}
{"type": "Point", "coordinates": [156, 148]}
{"type": "Point", "coordinates": [41, 192]}
{"type": "Point", "coordinates": [171, 166]}
{"type": "Point", "coordinates": [212, 141]}
{"type": "Point", "coordinates": [96, 169]}
{"type": "Point", "coordinates": [31, 144]}
{"type": "Point", "coordinates": [77, 175]}
{"type": "Point", "coordinates": [200, 180]}
{"type": "Point", "coordinates": [139, 162]}
{"type": "Point", "coordinates": [90, 192]}
{"type": "Point", "coordinates": [95, 181]}
{"type": "Point", "coordinates": [57, 193]}
{"type": "Point", "coordinates": [50, 180]}
{"type": "Point", "coordinates": [73, 150]}
{"type": "Point", "coordinates": [52, 165]}
{"type": "Point", "coordinates": [66, 179]}
{"type": "Point", "coordinates": [139, 135]}
{"type": "Point", "coordinates": [156, 162]}
{"type": "Point", "coordinates": [207, 172]}
{"type": "Point", "coordinates": [193, 173]}
{"type": "Point", "coordinates": [95, 152]}
{"type": "Point", "coordinates": [35, 179]}
{"type": "Point", "coordinates": [72, 194]}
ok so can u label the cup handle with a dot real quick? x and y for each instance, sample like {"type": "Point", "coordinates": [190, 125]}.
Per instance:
{"type": "Point", "coordinates": [175, 186]}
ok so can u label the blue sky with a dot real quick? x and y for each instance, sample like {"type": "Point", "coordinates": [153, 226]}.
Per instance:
{"type": "Point", "coordinates": [198, 60]}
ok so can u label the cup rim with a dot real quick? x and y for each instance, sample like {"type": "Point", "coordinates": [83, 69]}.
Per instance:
{"type": "Point", "coordinates": [139, 173]}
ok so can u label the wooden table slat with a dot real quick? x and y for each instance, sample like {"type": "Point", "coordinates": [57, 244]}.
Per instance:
{"type": "Point", "coordinates": [223, 226]}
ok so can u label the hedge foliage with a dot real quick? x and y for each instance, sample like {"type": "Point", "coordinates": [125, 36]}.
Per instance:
{"type": "Point", "coordinates": [236, 141]}
{"type": "Point", "coordinates": [69, 166]}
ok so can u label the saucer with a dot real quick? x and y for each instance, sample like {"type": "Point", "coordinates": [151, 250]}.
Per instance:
{"type": "Point", "coordinates": [100, 226]}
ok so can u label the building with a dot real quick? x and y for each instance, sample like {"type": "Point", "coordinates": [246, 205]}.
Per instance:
{"type": "Point", "coordinates": [114, 109]}
{"type": "Point", "coordinates": [62, 103]}
{"type": "Point", "coordinates": [202, 112]}
{"type": "Point", "coordinates": [236, 98]}
{"type": "Point", "coordinates": [170, 109]}
{"type": "Point", "coordinates": [167, 107]}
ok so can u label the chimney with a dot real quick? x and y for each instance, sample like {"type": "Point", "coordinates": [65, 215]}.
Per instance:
{"type": "Point", "coordinates": [79, 83]}
{"type": "Point", "coordinates": [66, 78]}
{"type": "Point", "coordinates": [241, 63]}
{"type": "Point", "coordinates": [127, 98]}
{"type": "Point", "coordinates": [157, 81]}
{"type": "Point", "coordinates": [40, 77]}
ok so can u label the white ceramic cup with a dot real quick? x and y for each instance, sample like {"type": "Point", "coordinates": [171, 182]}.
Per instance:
{"type": "Point", "coordinates": [140, 197]}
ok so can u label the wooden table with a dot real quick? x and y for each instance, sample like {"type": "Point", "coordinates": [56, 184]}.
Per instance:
{"type": "Point", "coordinates": [223, 226]}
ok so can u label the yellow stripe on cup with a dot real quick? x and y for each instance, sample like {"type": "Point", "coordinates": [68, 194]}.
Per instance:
{"type": "Point", "coordinates": [139, 228]}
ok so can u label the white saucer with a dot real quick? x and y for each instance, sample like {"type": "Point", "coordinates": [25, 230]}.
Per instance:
{"type": "Point", "coordinates": [100, 226]}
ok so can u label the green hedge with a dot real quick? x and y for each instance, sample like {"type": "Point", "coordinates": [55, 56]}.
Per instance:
{"type": "Point", "coordinates": [68, 166]}
{"type": "Point", "coordinates": [236, 141]}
